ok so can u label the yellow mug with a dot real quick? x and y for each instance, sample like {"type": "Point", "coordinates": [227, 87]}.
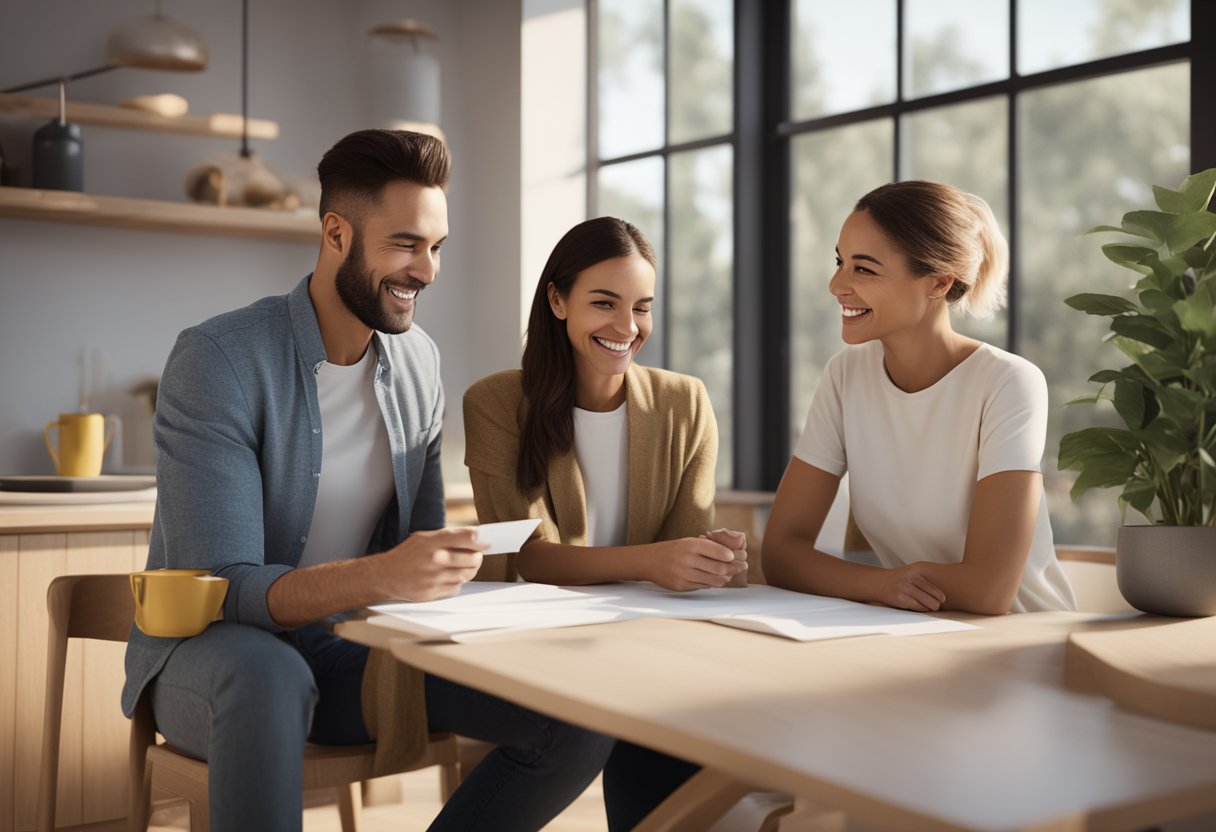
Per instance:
{"type": "Point", "coordinates": [82, 441]}
{"type": "Point", "coordinates": [176, 603]}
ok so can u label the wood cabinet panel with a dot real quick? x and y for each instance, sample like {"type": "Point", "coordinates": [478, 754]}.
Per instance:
{"type": "Point", "coordinates": [93, 745]}
{"type": "Point", "coordinates": [8, 678]}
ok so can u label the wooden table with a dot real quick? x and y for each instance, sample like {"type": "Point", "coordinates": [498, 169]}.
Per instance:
{"type": "Point", "coordinates": [969, 730]}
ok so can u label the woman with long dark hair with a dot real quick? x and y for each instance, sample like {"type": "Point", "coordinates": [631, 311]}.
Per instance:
{"type": "Point", "coordinates": [617, 460]}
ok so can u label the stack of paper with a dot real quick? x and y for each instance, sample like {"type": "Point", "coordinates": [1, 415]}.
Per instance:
{"type": "Point", "coordinates": [484, 608]}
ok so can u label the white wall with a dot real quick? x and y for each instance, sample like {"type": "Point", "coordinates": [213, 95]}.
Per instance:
{"type": "Point", "coordinates": [67, 288]}
{"type": "Point", "coordinates": [554, 104]}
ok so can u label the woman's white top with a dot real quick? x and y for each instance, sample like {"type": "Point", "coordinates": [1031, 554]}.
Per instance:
{"type": "Point", "coordinates": [914, 458]}
{"type": "Point", "coordinates": [356, 463]}
{"type": "Point", "coordinates": [601, 446]}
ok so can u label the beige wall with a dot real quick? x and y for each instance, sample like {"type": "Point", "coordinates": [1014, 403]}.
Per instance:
{"type": "Point", "coordinates": [68, 288]}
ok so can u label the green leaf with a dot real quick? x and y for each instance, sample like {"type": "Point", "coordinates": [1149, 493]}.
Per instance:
{"type": "Point", "coordinates": [1139, 493]}
{"type": "Point", "coordinates": [1096, 304]}
{"type": "Point", "coordinates": [1101, 228]}
{"type": "Point", "coordinates": [1189, 229]}
{"type": "Point", "coordinates": [1150, 224]}
{"type": "Point", "coordinates": [1197, 314]}
{"type": "Point", "coordinates": [1192, 196]}
{"type": "Point", "coordinates": [1129, 256]}
{"type": "Point", "coordinates": [1177, 264]}
{"type": "Point", "coordinates": [1207, 459]}
{"type": "Point", "coordinates": [1181, 405]}
{"type": "Point", "coordinates": [1152, 407]}
{"type": "Point", "coordinates": [1094, 399]}
{"type": "Point", "coordinates": [1156, 300]}
{"type": "Point", "coordinates": [1143, 328]}
{"type": "Point", "coordinates": [1203, 262]}
{"type": "Point", "coordinates": [1129, 403]}
{"type": "Point", "coordinates": [1106, 376]}
{"type": "Point", "coordinates": [1105, 472]}
{"type": "Point", "coordinates": [1163, 437]}
{"type": "Point", "coordinates": [1204, 377]}
{"type": "Point", "coordinates": [1165, 273]}
{"type": "Point", "coordinates": [1084, 446]}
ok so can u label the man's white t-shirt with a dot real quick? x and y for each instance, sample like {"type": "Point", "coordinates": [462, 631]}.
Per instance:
{"type": "Point", "coordinates": [914, 458]}
{"type": "Point", "coordinates": [356, 463]}
{"type": "Point", "coordinates": [601, 446]}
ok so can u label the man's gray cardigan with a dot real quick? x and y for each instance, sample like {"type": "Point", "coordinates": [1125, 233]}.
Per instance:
{"type": "Point", "coordinates": [238, 438]}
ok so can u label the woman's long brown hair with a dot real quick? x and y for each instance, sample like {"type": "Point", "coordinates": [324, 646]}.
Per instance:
{"type": "Point", "coordinates": [547, 418]}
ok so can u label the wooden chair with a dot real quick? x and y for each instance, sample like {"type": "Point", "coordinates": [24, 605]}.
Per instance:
{"type": "Point", "coordinates": [746, 511]}
{"type": "Point", "coordinates": [101, 607]}
{"type": "Point", "coordinates": [1091, 571]}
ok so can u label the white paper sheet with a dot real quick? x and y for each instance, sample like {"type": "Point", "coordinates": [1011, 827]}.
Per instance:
{"type": "Point", "coordinates": [844, 622]}
{"type": "Point", "coordinates": [484, 608]}
{"type": "Point", "coordinates": [506, 536]}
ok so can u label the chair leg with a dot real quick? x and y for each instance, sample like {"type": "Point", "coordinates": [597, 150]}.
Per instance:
{"type": "Point", "coordinates": [139, 769]}
{"type": "Point", "coordinates": [139, 798]}
{"type": "Point", "coordinates": [200, 816]}
{"type": "Point", "coordinates": [449, 779]}
{"type": "Point", "coordinates": [350, 805]}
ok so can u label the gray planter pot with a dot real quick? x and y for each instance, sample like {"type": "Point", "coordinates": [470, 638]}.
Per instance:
{"type": "Point", "coordinates": [1167, 570]}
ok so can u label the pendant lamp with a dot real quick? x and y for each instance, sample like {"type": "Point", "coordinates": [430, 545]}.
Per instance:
{"type": "Point", "coordinates": [242, 179]}
{"type": "Point", "coordinates": [158, 42]}
{"type": "Point", "coordinates": [154, 42]}
{"type": "Point", "coordinates": [404, 80]}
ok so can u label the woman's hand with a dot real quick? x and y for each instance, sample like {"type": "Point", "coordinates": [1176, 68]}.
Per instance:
{"type": "Point", "coordinates": [737, 543]}
{"type": "Point", "coordinates": [692, 563]}
{"type": "Point", "coordinates": [908, 588]}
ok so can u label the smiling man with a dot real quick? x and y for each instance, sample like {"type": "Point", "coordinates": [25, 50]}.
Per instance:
{"type": "Point", "coordinates": [298, 457]}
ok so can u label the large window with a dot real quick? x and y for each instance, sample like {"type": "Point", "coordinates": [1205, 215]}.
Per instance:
{"type": "Point", "coordinates": [1061, 115]}
{"type": "Point", "coordinates": [664, 145]}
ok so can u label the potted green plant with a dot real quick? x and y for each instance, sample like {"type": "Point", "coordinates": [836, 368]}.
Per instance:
{"type": "Point", "coordinates": [1164, 458]}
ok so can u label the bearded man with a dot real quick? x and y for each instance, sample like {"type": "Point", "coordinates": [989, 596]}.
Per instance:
{"type": "Point", "coordinates": [298, 456]}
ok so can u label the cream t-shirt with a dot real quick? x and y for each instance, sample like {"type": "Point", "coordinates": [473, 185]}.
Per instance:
{"type": "Point", "coordinates": [914, 458]}
{"type": "Point", "coordinates": [356, 463]}
{"type": "Point", "coordinates": [601, 446]}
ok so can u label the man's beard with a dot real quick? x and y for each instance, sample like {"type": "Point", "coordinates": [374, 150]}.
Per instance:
{"type": "Point", "coordinates": [362, 297]}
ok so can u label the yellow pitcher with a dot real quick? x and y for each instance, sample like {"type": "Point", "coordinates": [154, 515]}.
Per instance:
{"type": "Point", "coordinates": [82, 441]}
{"type": "Point", "coordinates": [176, 603]}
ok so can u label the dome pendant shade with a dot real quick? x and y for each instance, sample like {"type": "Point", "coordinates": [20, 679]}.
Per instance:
{"type": "Point", "coordinates": [404, 80]}
{"type": "Point", "coordinates": [158, 42]}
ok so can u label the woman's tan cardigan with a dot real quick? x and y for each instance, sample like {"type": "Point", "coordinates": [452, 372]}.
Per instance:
{"type": "Point", "coordinates": [673, 449]}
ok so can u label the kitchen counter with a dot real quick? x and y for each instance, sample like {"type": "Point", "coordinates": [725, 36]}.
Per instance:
{"type": "Point", "coordinates": [76, 518]}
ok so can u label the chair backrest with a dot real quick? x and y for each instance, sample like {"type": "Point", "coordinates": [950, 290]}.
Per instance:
{"type": "Point", "coordinates": [1091, 571]}
{"type": "Point", "coordinates": [80, 606]}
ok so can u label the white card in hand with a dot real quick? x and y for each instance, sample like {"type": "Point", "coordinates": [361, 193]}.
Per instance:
{"type": "Point", "coordinates": [507, 536]}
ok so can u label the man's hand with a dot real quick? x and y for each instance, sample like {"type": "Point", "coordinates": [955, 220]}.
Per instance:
{"type": "Point", "coordinates": [692, 563]}
{"type": "Point", "coordinates": [909, 588]}
{"type": "Point", "coordinates": [430, 565]}
{"type": "Point", "coordinates": [737, 543]}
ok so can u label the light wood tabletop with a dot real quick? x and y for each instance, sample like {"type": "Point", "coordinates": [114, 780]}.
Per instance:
{"type": "Point", "coordinates": [967, 730]}
{"type": "Point", "coordinates": [1167, 671]}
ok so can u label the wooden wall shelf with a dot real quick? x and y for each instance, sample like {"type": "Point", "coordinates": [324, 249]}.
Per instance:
{"type": "Point", "coordinates": [224, 125]}
{"type": "Point", "coordinates": [156, 215]}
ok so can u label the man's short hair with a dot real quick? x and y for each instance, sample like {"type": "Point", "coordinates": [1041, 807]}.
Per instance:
{"type": "Point", "coordinates": [355, 170]}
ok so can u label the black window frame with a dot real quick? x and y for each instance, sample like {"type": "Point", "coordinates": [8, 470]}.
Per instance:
{"type": "Point", "coordinates": [761, 139]}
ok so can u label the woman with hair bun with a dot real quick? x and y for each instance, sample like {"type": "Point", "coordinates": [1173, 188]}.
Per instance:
{"type": "Point", "coordinates": [942, 435]}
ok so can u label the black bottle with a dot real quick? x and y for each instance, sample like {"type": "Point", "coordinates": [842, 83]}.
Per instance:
{"type": "Point", "coordinates": [59, 153]}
